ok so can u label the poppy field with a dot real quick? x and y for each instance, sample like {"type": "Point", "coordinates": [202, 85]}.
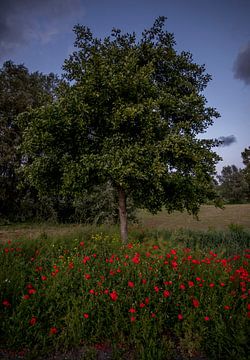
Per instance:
{"type": "Point", "coordinates": [164, 295]}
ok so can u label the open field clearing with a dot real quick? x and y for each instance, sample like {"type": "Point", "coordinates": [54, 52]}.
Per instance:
{"type": "Point", "coordinates": [210, 217]}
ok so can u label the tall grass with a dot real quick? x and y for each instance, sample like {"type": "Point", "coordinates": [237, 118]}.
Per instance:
{"type": "Point", "coordinates": [167, 295]}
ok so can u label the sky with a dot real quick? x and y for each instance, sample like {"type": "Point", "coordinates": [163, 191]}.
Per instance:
{"type": "Point", "coordinates": [39, 34]}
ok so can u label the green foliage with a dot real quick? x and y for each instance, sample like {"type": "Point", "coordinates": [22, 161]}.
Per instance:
{"type": "Point", "coordinates": [233, 186]}
{"type": "Point", "coordinates": [19, 91]}
{"type": "Point", "coordinates": [130, 117]}
{"type": "Point", "coordinates": [246, 161]}
{"type": "Point", "coordinates": [56, 294]}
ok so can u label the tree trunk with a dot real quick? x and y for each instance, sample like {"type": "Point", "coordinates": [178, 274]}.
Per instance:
{"type": "Point", "coordinates": [123, 215]}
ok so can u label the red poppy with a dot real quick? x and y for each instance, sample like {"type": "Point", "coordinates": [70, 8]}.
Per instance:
{"type": "Point", "coordinates": [227, 307]}
{"type": "Point", "coordinates": [136, 258]}
{"type": "Point", "coordinates": [182, 287]}
{"type": "Point", "coordinates": [43, 277]}
{"type": "Point", "coordinates": [131, 284]}
{"type": "Point", "coordinates": [190, 283]}
{"type": "Point", "coordinates": [53, 330]}
{"type": "Point", "coordinates": [6, 303]}
{"type": "Point", "coordinates": [26, 297]}
{"type": "Point", "coordinates": [174, 264]}
{"type": "Point", "coordinates": [180, 316]}
{"type": "Point", "coordinates": [86, 315]}
{"type": "Point", "coordinates": [132, 310]}
{"type": "Point", "coordinates": [142, 305]}
{"type": "Point", "coordinates": [132, 319]}
{"type": "Point", "coordinates": [33, 321]}
{"type": "Point", "coordinates": [32, 291]}
{"type": "Point", "coordinates": [196, 303]}
{"type": "Point", "coordinates": [87, 276]}
{"type": "Point", "coordinates": [113, 295]}
{"type": "Point", "coordinates": [156, 288]}
{"type": "Point", "coordinates": [166, 293]}
{"type": "Point", "coordinates": [206, 318]}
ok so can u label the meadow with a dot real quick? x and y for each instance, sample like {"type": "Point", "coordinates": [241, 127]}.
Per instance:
{"type": "Point", "coordinates": [171, 293]}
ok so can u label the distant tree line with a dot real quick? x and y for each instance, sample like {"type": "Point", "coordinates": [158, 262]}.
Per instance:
{"type": "Point", "coordinates": [234, 183]}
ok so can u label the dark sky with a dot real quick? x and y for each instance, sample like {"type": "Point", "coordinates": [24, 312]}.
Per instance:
{"type": "Point", "coordinates": [39, 34]}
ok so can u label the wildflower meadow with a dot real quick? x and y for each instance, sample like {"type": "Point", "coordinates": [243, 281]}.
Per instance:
{"type": "Point", "coordinates": [165, 295]}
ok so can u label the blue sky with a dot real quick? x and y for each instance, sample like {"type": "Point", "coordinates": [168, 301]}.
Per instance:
{"type": "Point", "coordinates": [217, 33]}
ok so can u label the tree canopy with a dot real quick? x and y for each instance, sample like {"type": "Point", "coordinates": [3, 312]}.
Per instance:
{"type": "Point", "coordinates": [20, 90]}
{"type": "Point", "coordinates": [233, 186]}
{"type": "Point", "coordinates": [130, 116]}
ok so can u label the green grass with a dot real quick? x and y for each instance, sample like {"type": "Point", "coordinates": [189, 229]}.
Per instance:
{"type": "Point", "coordinates": [167, 295]}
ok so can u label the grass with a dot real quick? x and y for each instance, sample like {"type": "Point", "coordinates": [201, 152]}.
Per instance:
{"type": "Point", "coordinates": [167, 295]}
{"type": "Point", "coordinates": [210, 217]}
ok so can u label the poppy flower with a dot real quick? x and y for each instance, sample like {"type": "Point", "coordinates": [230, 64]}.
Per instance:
{"type": "Point", "coordinates": [113, 295]}
{"type": "Point", "coordinates": [166, 293]}
{"type": "Point", "coordinates": [190, 283]}
{"type": "Point", "coordinates": [6, 303]}
{"type": "Point", "coordinates": [53, 330]}
{"type": "Point", "coordinates": [196, 303]}
{"type": "Point", "coordinates": [180, 316]}
{"type": "Point", "coordinates": [132, 310]}
{"type": "Point", "coordinates": [32, 291]}
{"type": "Point", "coordinates": [33, 321]}
{"type": "Point", "coordinates": [131, 284]}
{"type": "Point", "coordinates": [86, 316]}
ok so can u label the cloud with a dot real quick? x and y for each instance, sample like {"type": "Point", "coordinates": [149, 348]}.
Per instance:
{"type": "Point", "coordinates": [227, 140]}
{"type": "Point", "coordinates": [22, 21]}
{"type": "Point", "coordinates": [242, 65]}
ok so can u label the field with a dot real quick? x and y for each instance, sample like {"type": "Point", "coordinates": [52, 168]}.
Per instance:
{"type": "Point", "coordinates": [175, 292]}
{"type": "Point", "coordinates": [210, 217]}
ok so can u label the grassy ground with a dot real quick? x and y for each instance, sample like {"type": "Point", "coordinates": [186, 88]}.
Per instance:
{"type": "Point", "coordinates": [210, 217]}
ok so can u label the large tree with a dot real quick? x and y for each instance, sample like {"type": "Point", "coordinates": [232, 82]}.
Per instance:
{"type": "Point", "coordinates": [19, 90]}
{"type": "Point", "coordinates": [130, 117]}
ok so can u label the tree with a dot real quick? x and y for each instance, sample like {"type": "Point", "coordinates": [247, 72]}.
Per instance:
{"type": "Point", "coordinates": [233, 186]}
{"type": "Point", "coordinates": [246, 161]}
{"type": "Point", "coordinates": [130, 117]}
{"type": "Point", "coordinates": [19, 91]}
